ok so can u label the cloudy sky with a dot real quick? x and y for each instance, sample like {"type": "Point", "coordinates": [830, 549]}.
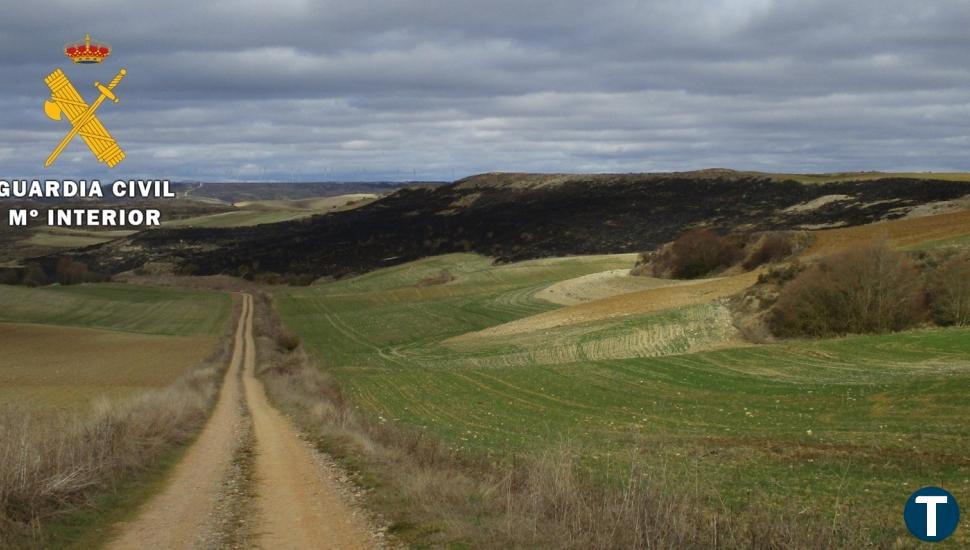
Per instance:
{"type": "Point", "coordinates": [439, 89]}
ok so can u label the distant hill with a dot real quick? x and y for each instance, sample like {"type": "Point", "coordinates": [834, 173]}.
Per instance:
{"type": "Point", "coordinates": [238, 192]}
{"type": "Point", "coordinates": [521, 216]}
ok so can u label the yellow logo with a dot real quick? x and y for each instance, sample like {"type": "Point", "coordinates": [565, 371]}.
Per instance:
{"type": "Point", "coordinates": [65, 100]}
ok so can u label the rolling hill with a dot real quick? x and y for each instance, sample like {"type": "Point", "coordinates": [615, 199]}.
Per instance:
{"type": "Point", "coordinates": [513, 217]}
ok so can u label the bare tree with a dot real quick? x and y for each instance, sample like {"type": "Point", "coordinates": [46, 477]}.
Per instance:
{"type": "Point", "coordinates": [696, 253]}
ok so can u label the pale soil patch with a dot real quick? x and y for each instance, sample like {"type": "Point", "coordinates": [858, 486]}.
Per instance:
{"type": "Point", "coordinates": [465, 200]}
{"type": "Point", "coordinates": [462, 202]}
{"type": "Point", "coordinates": [604, 284]}
{"type": "Point", "coordinates": [49, 367]}
{"type": "Point", "coordinates": [815, 204]}
{"type": "Point", "coordinates": [940, 207]}
{"type": "Point", "coordinates": [622, 305]}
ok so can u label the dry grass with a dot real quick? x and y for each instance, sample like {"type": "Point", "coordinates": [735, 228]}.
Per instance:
{"type": "Point", "coordinates": [435, 496]}
{"type": "Point", "coordinates": [52, 464]}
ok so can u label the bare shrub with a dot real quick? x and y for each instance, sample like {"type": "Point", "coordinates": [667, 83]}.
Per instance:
{"type": "Point", "coordinates": [866, 289]}
{"type": "Point", "coordinates": [11, 275]}
{"type": "Point", "coordinates": [771, 246]}
{"type": "Point", "coordinates": [644, 265]}
{"type": "Point", "coordinates": [34, 276]}
{"type": "Point", "coordinates": [69, 271]}
{"type": "Point", "coordinates": [271, 329]}
{"type": "Point", "coordinates": [287, 340]}
{"type": "Point", "coordinates": [696, 253]}
{"type": "Point", "coordinates": [53, 463]}
{"type": "Point", "coordinates": [949, 292]}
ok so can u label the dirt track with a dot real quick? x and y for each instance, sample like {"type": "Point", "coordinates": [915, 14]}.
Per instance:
{"type": "Point", "coordinates": [297, 499]}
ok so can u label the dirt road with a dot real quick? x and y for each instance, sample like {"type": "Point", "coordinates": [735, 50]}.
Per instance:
{"type": "Point", "coordinates": [297, 501]}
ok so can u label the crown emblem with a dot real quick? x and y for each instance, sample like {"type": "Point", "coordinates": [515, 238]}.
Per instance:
{"type": "Point", "coordinates": [87, 51]}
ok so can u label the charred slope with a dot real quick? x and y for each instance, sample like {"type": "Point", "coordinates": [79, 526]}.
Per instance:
{"type": "Point", "coordinates": [509, 221]}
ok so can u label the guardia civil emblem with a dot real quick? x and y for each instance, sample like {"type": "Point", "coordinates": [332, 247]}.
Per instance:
{"type": "Point", "coordinates": [66, 101]}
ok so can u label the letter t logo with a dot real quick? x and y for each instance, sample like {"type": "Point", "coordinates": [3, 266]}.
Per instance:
{"type": "Point", "coordinates": [930, 502]}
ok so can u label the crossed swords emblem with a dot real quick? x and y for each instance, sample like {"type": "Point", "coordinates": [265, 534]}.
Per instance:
{"type": "Point", "coordinates": [65, 100]}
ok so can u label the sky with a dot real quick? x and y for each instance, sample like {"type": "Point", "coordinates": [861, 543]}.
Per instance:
{"type": "Point", "coordinates": [300, 90]}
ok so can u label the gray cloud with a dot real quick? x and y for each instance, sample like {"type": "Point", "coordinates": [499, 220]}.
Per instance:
{"type": "Point", "coordinates": [299, 89]}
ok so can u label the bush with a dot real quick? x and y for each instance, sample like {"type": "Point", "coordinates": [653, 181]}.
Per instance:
{"type": "Point", "coordinates": [35, 276]}
{"type": "Point", "coordinates": [287, 340]}
{"type": "Point", "coordinates": [949, 291]}
{"type": "Point", "coordinates": [69, 271]}
{"type": "Point", "coordinates": [781, 273]}
{"type": "Point", "coordinates": [770, 247]}
{"type": "Point", "coordinates": [11, 275]}
{"type": "Point", "coordinates": [869, 289]}
{"type": "Point", "coordinates": [696, 253]}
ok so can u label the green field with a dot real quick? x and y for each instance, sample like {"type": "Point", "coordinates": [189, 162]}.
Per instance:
{"type": "Point", "coordinates": [859, 421]}
{"type": "Point", "coordinates": [64, 347]}
{"type": "Point", "coordinates": [118, 307]}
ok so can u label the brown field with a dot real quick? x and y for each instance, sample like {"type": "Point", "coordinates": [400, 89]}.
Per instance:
{"type": "Point", "coordinates": [903, 233]}
{"type": "Point", "coordinates": [51, 367]}
{"type": "Point", "coordinates": [249, 213]}
{"type": "Point", "coordinates": [312, 203]}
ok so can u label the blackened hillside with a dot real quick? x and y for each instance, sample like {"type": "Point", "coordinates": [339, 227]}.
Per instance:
{"type": "Point", "coordinates": [518, 217]}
